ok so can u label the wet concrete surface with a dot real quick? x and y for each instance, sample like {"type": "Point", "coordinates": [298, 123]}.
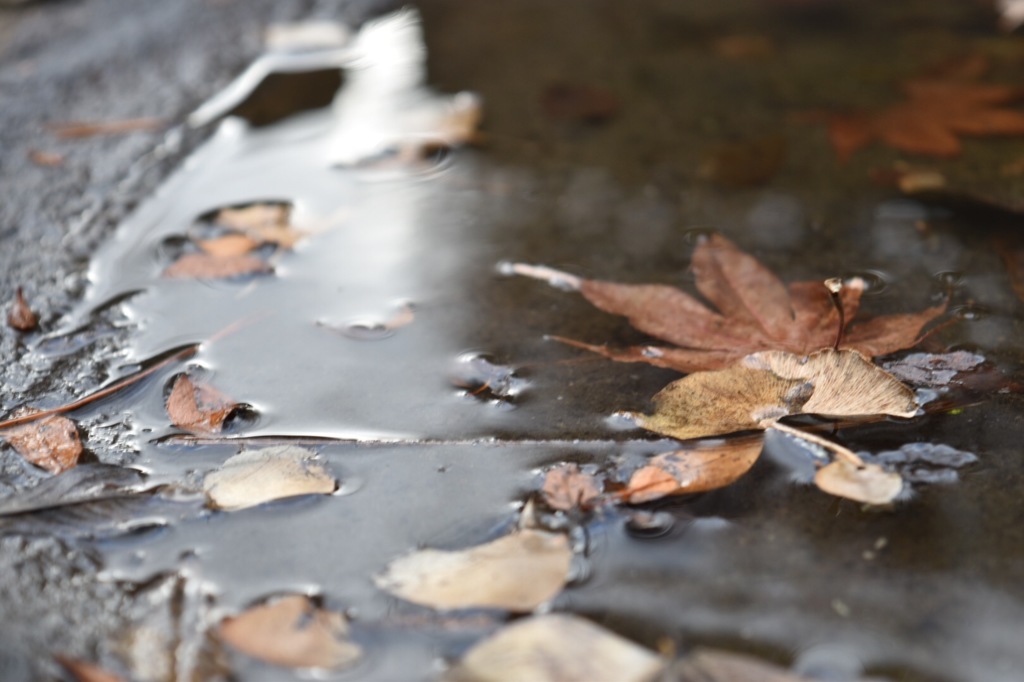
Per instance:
{"type": "Point", "coordinates": [925, 591]}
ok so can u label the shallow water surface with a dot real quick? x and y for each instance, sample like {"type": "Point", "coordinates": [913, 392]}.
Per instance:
{"type": "Point", "coordinates": [926, 590]}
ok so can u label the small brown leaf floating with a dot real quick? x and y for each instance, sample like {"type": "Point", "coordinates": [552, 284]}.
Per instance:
{"type": "Point", "coordinates": [20, 315]}
{"type": "Point", "coordinates": [86, 672]}
{"type": "Point", "coordinates": [707, 466]}
{"type": "Point", "coordinates": [209, 266]}
{"type": "Point", "coordinates": [198, 408]}
{"type": "Point", "coordinates": [566, 487]}
{"type": "Point", "coordinates": [291, 631]}
{"type": "Point", "coordinates": [556, 648]}
{"type": "Point", "coordinates": [51, 443]}
{"type": "Point", "coordinates": [517, 572]}
{"type": "Point", "coordinates": [257, 476]}
{"type": "Point", "coordinates": [754, 311]}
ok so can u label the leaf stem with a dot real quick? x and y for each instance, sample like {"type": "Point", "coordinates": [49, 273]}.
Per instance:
{"type": "Point", "coordinates": [835, 286]}
{"type": "Point", "coordinates": [839, 451]}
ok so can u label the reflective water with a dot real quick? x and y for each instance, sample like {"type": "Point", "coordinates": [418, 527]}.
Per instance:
{"type": "Point", "coordinates": [447, 416]}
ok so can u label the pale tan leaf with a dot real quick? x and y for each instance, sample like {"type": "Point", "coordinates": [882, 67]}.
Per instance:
{"type": "Point", "coordinates": [51, 443]}
{"type": "Point", "coordinates": [867, 483]}
{"type": "Point", "coordinates": [556, 648]}
{"type": "Point", "coordinates": [257, 476]}
{"type": "Point", "coordinates": [518, 572]}
{"type": "Point", "coordinates": [291, 631]}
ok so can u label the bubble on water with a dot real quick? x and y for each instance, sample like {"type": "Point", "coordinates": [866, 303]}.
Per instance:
{"type": "Point", "coordinates": [876, 282]}
{"type": "Point", "coordinates": [971, 312]}
{"type": "Point", "coordinates": [647, 525]}
{"type": "Point", "coordinates": [949, 279]}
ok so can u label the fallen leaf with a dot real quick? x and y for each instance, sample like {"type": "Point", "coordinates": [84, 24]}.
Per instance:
{"type": "Point", "coordinates": [746, 163]}
{"type": "Point", "coordinates": [744, 46]}
{"type": "Point", "coordinates": [755, 312]}
{"type": "Point", "coordinates": [868, 483]}
{"type": "Point", "coordinates": [228, 245]}
{"type": "Point", "coordinates": [86, 672]}
{"type": "Point", "coordinates": [198, 408]}
{"type": "Point", "coordinates": [764, 387]}
{"type": "Point", "coordinates": [582, 103]}
{"type": "Point", "coordinates": [937, 111]}
{"type": "Point", "coordinates": [45, 159]}
{"type": "Point", "coordinates": [257, 476]}
{"type": "Point", "coordinates": [20, 316]}
{"type": "Point", "coordinates": [291, 631]}
{"type": "Point", "coordinates": [518, 572]}
{"type": "Point", "coordinates": [556, 648]}
{"type": "Point", "coordinates": [207, 266]}
{"type": "Point", "coordinates": [263, 222]}
{"type": "Point", "coordinates": [76, 129]}
{"type": "Point", "coordinates": [482, 378]}
{"type": "Point", "coordinates": [50, 443]}
{"type": "Point", "coordinates": [705, 467]}
{"type": "Point", "coordinates": [566, 487]}
{"type": "Point", "coordinates": [707, 665]}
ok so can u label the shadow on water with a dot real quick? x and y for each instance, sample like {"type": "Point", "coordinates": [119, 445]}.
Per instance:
{"type": "Point", "coordinates": [447, 411]}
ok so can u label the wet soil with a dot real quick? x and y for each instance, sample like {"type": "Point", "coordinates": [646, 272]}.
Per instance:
{"type": "Point", "coordinates": [926, 590]}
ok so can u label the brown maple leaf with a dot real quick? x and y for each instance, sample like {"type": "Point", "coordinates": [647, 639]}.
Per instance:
{"type": "Point", "coordinates": [752, 311]}
{"type": "Point", "coordinates": [938, 109]}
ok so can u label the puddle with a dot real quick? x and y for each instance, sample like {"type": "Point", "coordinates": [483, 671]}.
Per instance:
{"type": "Point", "coordinates": [390, 326]}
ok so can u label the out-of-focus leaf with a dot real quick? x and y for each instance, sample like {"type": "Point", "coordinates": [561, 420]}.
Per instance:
{"type": "Point", "coordinates": [257, 476]}
{"type": "Point", "coordinates": [747, 163]}
{"type": "Point", "coordinates": [263, 222]}
{"type": "Point", "coordinates": [87, 672]}
{"type": "Point", "coordinates": [518, 572]}
{"type": "Point", "coordinates": [556, 648]}
{"type": "Point", "coordinates": [868, 483]}
{"type": "Point", "coordinates": [566, 487]}
{"type": "Point", "coordinates": [77, 129]}
{"type": "Point", "coordinates": [50, 443]}
{"type": "Point", "coordinates": [209, 266]}
{"type": "Point", "coordinates": [292, 632]}
{"type": "Point", "coordinates": [20, 315]}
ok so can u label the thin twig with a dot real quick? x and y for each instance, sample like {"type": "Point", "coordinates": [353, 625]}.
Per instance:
{"type": "Point", "coordinates": [103, 392]}
{"type": "Point", "coordinates": [841, 452]}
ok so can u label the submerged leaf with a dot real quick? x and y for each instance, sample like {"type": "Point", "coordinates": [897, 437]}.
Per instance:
{"type": "Point", "coordinates": [566, 487]}
{"type": "Point", "coordinates": [556, 648]}
{"type": "Point", "coordinates": [209, 266]}
{"type": "Point", "coordinates": [518, 572]}
{"type": "Point", "coordinates": [753, 311]}
{"type": "Point", "coordinates": [291, 631]}
{"type": "Point", "coordinates": [259, 476]}
{"type": "Point", "coordinates": [198, 408]}
{"type": "Point", "coordinates": [767, 386]}
{"type": "Point", "coordinates": [705, 467]}
{"type": "Point", "coordinates": [263, 223]}
{"type": "Point", "coordinates": [51, 443]}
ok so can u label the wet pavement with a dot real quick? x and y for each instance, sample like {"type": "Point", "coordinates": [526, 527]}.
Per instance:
{"type": "Point", "coordinates": [425, 455]}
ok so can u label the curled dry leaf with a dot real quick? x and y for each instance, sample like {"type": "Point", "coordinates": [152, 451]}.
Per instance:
{"type": "Point", "coordinates": [199, 408]}
{"type": "Point", "coordinates": [754, 311]}
{"type": "Point", "coordinates": [257, 476]}
{"type": "Point", "coordinates": [263, 223]}
{"type": "Point", "coordinates": [556, 648]}
{"type": "Point", "coordinates": [86, 672]}
{"type": "Point", "coordinates": [767, 386]}
{"type": "Point", "coordinates": [707, 466]}
{"type": "Point", "coordinates": [20, 315]}
{"type": "Point", "coordinates": [566, 487]}
{"type": "Point", "coordinates": [291, 631]}
{"type": "Point", "coordinates": [867, 483]}
{"type": "Point", "coordinates": [209, 266]}
{"type": "Point", "coordinates": [50, 443]}
{"type": "Point", "coordinates": [518, 572]}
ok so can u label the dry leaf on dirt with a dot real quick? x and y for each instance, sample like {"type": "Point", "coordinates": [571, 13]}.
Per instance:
{"type": "Point", "coordinates": [518, 572]}
{"type": "Point", "coordinates": [566, 487]}
{"type": "Point", "coordinates": [708, 665]}
{"type": "Point", "coordinates": [46, 159]}
{"type": "Point", "coordinates": [20, 315]}
{"type": "Point", "coordinates": [199, 408]}
{"type": "Point", "coordinates": [582, 103]}
{"type": "Point", "coordinates": [86, 672]}
{"type": "Point", "coordinates": [257, 476]}
{"type": "Point", "coordinates": [937, 111]}
{"type": "Point", "coordinates": [209, 266]}
{"type": "Point", "coordinates": [754, 311]}
{"type": "Point", "coordinates": [556, 648]}
{"type": "Point", "coordinates": [75, 129]}
{"type": "Point", "coordinates": [291, 631]}
{"type": "Point", "coordinates": [706, 466]}
{"type": "Point", "coordinates": [50, 443]}
{"type": "Point", "coordinates": [765, 387]}
{"type": "Point", "coordinates": [264, 223]}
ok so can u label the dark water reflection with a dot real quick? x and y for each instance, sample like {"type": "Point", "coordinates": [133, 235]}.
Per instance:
{"type": "Point", "coordinates": [928, 590]}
